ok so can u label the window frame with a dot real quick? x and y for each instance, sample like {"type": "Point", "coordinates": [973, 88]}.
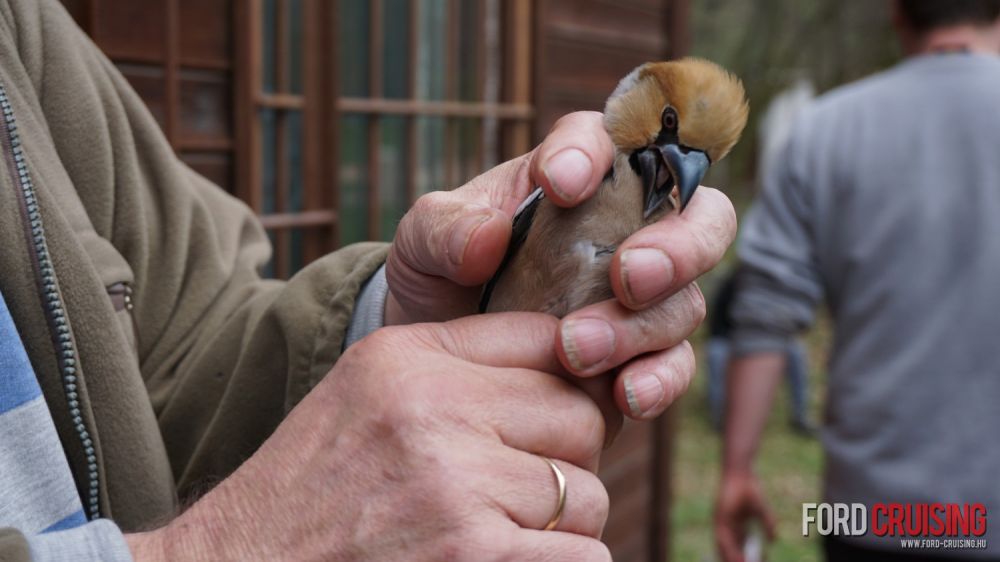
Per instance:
{"type": "Point", "coordinates": [322, 107]}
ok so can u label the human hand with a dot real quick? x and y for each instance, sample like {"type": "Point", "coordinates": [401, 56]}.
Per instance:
{"type": "Point", "coordinates": [422, 443]}
{"type": "Point", "coordinates": [450, 243]}
{"type": "Point", "coordinates": [739, 503]}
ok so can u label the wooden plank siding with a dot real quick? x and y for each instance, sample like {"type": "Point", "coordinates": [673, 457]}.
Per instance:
{"type": "Point", "coordinates": [584, 47]}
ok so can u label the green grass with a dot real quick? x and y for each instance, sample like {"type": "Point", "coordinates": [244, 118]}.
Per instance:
{"type": "Point", "coordinates": [789, 467]}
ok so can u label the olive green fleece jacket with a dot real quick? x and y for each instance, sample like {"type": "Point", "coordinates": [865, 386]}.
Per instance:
{"type": "Point", "coordinates": [180, 388]}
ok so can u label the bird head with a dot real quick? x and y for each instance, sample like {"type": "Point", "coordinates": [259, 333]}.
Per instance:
{"type": "Point", "coordinates": [674, 119]}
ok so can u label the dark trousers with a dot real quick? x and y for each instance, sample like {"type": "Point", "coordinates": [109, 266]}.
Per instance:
{"type": "Point", "coordinates": [839, 550]}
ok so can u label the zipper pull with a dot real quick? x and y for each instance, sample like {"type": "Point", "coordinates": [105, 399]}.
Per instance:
{"type": "Point", "coordinates": [121, 296]}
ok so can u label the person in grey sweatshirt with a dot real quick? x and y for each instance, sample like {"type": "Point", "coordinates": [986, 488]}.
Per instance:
{"type": "Point", "coordinates": [886, 206]}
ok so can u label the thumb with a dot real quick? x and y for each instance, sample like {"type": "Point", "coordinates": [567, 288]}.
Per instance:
{"type": "Point", "coordinates": [572, 160]}
{"type": "Point", "coordinates": [451, 234]}
{"type": "Point", "coordinates": [461, 235]}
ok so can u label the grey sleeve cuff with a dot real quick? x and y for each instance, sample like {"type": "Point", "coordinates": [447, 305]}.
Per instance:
{"type": "Point", "coordinates": [750, 342]}
{"type": "Point", "coordinates": [98, 540]}
{"type": "Point", "coordinates": [369, 309]}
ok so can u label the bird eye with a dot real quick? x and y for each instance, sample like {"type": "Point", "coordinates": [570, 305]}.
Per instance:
{"type": "Point", "coordinates": [669, 119]}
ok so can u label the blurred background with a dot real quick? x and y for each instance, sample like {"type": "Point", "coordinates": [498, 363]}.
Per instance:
{"type": "Point", "coordinates": [330, 117]}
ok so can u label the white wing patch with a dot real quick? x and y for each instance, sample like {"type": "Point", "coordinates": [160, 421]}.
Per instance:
{"type": "Point", "coordinates": [590, 254]}
{"type": "Point", "coordinates": [586, 253]}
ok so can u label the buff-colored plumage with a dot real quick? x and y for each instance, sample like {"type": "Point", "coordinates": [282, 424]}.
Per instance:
{"type": "Point", "coordinates": [557, 272]}
{"type": "Point", "coordinates": [562, 263]}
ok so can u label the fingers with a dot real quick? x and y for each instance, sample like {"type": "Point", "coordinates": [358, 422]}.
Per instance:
{"type": "Point", "coordinates": [767, 517]}
{"type": "Point", "coordinates": [605, 335]}
{"type": "Point", "coordinates": [740, 501]}
{"type": "Point", "coordinates": [503, 386]}
{"type": "Point", "coordinates": [461, 236]}
{"type": "Point", "coordinates": [508, 339]}
{"type": "Point", "coordinates": [456, 235]}
{"type": "Point", "coordinates": [600, 389]}
{"type": "Point", "coordinates": [648, 385]}
{"type": "Point", "coordinates": [573, 158]}
{"type": "Point", "coordinates": [492, 540]}
{"type": "Point", "coordinates": [729, 543]}
{"type": "Point", "coordinates": [756, 506]}
{"type": "Point", "coordinates": [525, 486]}
{"type": "Point", "coordinates": [553, 417]}
{"type": "Point", "coordinates": [663, 257]}
{"type": "Point", "coordinates": [553, 546]}
{"type": "Point", "coordinates": [597, 419]}
{"type": "Point", "coordinates": [731, 532]}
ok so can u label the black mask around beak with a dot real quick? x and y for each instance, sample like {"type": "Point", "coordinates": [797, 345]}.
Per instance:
{"type": "Point", "coordinates": [660, 163]}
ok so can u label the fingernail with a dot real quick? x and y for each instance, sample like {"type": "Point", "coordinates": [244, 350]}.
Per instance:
{"type": "Point", "coordinates": [568, 172]}
{"type": "Point", "coordinates": [646, 273]}
{"type": "Point", "coordinates": [461, 232]}
{"type": "Point", "coordinates": [643, 392]}
{"type": "Point", "coordinates": [587, 342]}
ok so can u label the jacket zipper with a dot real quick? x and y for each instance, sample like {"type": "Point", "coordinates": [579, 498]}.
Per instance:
{"type": "Point", "coordinates": [52, 304]}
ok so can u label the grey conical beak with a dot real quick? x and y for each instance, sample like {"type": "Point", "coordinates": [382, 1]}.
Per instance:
{"type": "Point", "coordinates": [687, 168]}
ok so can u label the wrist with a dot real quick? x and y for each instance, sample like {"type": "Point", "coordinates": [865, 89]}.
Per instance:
{"type": "Point", "coordinates": [147, 547]}
{"type": "Point", "coordinates": [738, 470]}
{"type": "Point", "coordinates": [200, 533]}
{"type": "Point", "coordinates": [179, 541]}
{"type": "Point", "coordinates": [214, 528]}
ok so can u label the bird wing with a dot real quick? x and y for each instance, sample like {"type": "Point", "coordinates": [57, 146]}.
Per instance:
{"type": "Point", "coordinates": [523, 218]}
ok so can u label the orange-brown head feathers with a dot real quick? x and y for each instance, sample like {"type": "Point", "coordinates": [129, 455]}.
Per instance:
{"type": "Point", "coordinates": [709, 103]}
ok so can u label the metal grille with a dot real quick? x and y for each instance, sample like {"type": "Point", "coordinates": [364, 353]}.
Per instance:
{"type": "Point", "coordinates": [348, 111]}
{"type": "Point", "coordinates": [281, 93]}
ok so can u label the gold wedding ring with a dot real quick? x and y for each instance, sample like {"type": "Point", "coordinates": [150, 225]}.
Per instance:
{"type": "Point", "coordinates": [561, 485]}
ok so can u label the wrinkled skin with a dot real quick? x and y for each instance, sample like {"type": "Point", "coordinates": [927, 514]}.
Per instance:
{"type": "Point", "coordinates": [422, 442]}
{"type": "Point", "coordinates": [450, 243]}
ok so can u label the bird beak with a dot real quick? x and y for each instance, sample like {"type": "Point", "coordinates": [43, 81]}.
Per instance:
{"type": "Point", "coordinates": [686, 167]}
{"type": "Point", "coordinates": [654, 188]}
